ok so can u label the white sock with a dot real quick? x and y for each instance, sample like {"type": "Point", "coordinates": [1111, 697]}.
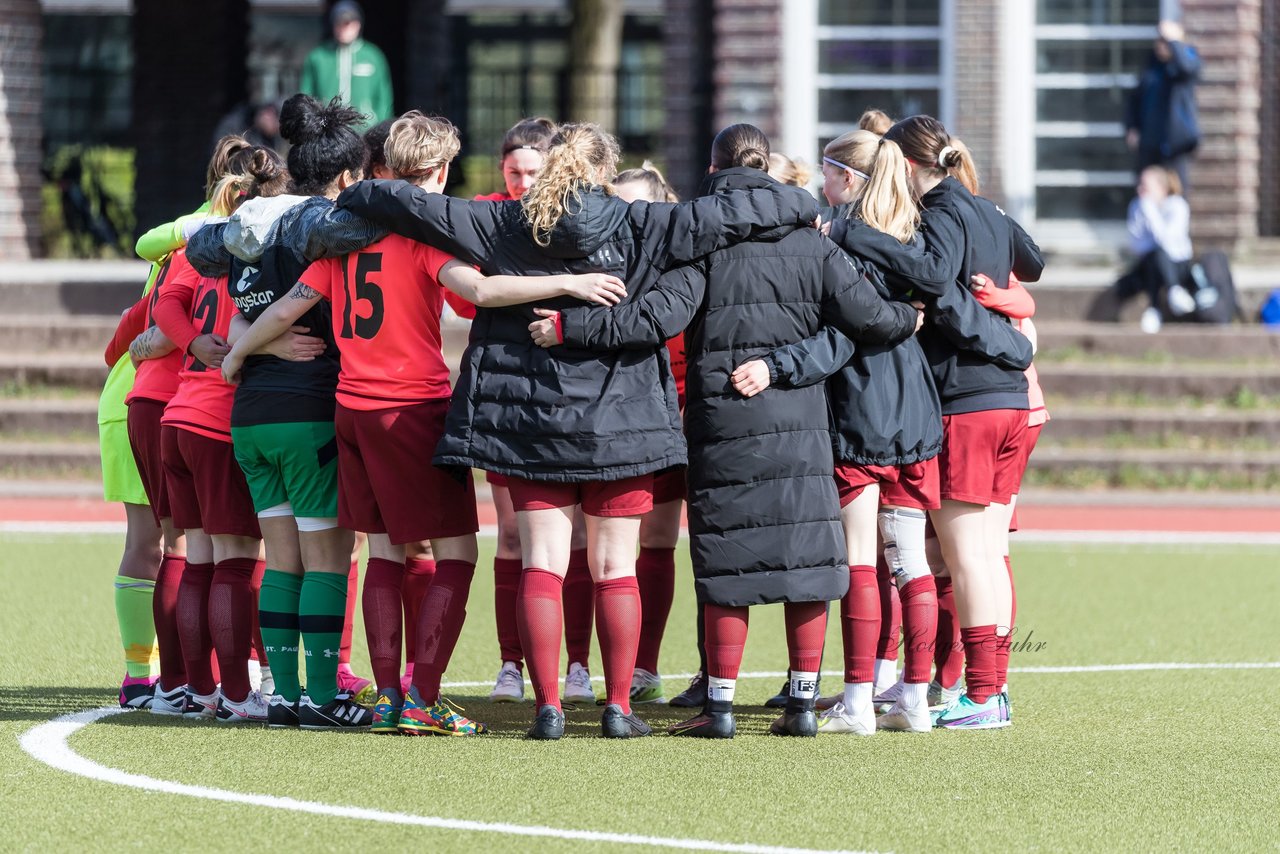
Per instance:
{"type": "Point", "coordinates": [804, 686]}
{"type": "Point", "coordinates": [886, 672]}
{"type": "Point", "coordinates": [720, 690]}
{"type": "Point", "coordinates": [857, 697]}
{"type": "Point", "coordinates": [915, 694]}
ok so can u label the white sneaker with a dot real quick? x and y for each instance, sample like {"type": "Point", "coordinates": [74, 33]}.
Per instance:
{"type": "Point", "coordinates": [886, 697]}
{"type": "Point", "coordinates": [940, 698]}
{"type": "Point", "coordinates": [1180, 301]}
{"type": "Point", "coordinates": [255, 675]}
{"type": "Point", "coordinates": [646, 687]}
{"type": "Point", "coordinates": [266, 682]}
{"type": "Point", "coordinates": [169, 702]}
{"type": "Point", "coordinates": [509, 687]}
{"type": "Point", "coordinates": [1150, 321]}
{"type": "Point", "coordinates": [577, 685]}
{"type": "Point", "coordinates": [838, 720]}
{"type": "Point", "coordinates": [908, 714]}
{"type": "Point", "coordinates": [200, 706]}
{"type": "Point", "coordinates": [251, 710]}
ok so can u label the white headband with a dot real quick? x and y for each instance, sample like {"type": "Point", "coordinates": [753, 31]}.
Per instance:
{"type": "Point", "coordinates": [942, 155]}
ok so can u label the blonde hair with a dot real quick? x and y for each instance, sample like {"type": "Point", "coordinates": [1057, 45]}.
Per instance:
{"type": "Point", "coordinates": [419, 145]}
{"type": "Point", "coordinates": [789, 171]}
{"type": "Point", "coordinates": [223, 150]}
{"type": "Point", "coordinates": [965, 171]}
{"type": "Point", "coordinates": [886, 203]}
{"type": "Point", "coordinates": [581, 156]}
{"type": "Point", "coordinates": [653, 180]}
{"type": "Point", "coordinates": [876, 121]}
{"type": "Point", "coordinates": [251, 173]}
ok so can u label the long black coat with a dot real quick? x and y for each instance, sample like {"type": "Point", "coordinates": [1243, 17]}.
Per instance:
{"type": "Point", "coordinates": [568, 414]}
{"type": "Point", "coordinates": [764, 517]}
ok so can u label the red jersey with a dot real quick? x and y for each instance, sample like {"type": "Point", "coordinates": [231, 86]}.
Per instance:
{"type": "Point", "coordinates": [157, 379]}
{"type": "Point", "coordinates": [679, 364]}
{"type": "Point", "coordinates": [386, 320]}
{"type": "Point", "coordinates": [495, 197]}
{"type": "Point", "coordinates": [203, 402]}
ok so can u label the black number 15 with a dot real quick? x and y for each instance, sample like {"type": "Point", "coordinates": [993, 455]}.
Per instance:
{"type": "Point", "coordinates": [365, 327]}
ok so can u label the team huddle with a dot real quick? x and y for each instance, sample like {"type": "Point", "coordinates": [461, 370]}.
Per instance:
{"type": "Point", "coordinates": [842, 398]}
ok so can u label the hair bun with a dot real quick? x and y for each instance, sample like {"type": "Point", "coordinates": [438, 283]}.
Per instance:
{"type": "Point", "coordinates": [948, 157]}
{"type": "Point", "coordinates": [303, 118]}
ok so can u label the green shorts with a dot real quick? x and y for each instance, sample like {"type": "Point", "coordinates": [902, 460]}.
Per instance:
{"type": "Point", "coordinates": [120, 478]}
{"type": "Point", "coordinates": [295, 462]}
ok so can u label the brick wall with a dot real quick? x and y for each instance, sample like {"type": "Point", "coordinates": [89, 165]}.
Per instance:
{"type": "Point", "coordinates": [20, 129]}
{"type": "Point", "coordinates": [748, 63]}
{"type": "Point", "coordinates": [1225, 175]}
{"type": "Point", "coordinates": [978, 87]}
{"type": "Point", "coordinates": [1269, 122]}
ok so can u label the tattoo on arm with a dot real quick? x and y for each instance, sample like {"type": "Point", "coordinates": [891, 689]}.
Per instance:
{"type": "Point", "coordinates": [302, 292]}
{"type": "Point", "coordinates": [143, 346]}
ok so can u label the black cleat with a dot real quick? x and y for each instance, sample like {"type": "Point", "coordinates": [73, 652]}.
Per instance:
{"type": "Point", "coordinates": [715, 721]}
{"type": "Point", "coordinates": [798, 719]}
{"type": "Point", "coordinates": [778, 700]}
{"type": "Point", "coordinates": [614, 724]}
{"type": "Point", "coordinates": [340, 713]}
{"type": "Point", "coordinates": [281, 714]}
{"type": "Point", "coordinates": [548, 725]}
{"type": "Point", "coordinates": [693, 697]}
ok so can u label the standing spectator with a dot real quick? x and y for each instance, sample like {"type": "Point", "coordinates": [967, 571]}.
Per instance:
{"type": "Point", "coordinates": [349, 67]}
{"type": "Point", "coordinates": [1162, 126]}
{"type": "Point", "coordinates": [1160, 240]}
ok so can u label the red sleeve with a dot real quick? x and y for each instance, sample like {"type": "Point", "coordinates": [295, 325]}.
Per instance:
{"type": "Point", "coordinates": [172, 311]}
{"type": "Point", "coordinates": [432, 261]}
{"type": "Point", "coordinates": [319, 276]}
{"type": "Point", "coordinates": [1014, 301]}
{"type": "Point", "coordinates": [132, 324]}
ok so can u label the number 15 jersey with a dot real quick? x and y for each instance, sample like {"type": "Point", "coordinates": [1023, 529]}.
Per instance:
{"type": "Point", "coordinates": [386, 301]}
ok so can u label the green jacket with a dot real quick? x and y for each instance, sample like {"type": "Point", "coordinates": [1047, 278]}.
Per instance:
{"type": "Point", "coordinates": [357, 73]}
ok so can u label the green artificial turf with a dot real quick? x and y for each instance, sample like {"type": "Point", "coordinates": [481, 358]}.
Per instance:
{"type": "Point", "coordinates": [1095, 761]}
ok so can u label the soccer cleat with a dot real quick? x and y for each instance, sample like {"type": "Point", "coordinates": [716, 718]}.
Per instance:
{"type": "Point", "coordinates": [440, 718]}
{"type": "Point", "coordinates": [886, 697]}
{"type": "Point", "coordinates": [615, 724]}
{"type": "Point", "coordinates": [779, 700]}
{"type": "Point", "coordinates": [281, 714]}
{"type": "Point", "coordinates": [838, 720]}
{"type": "Point", "coordinates": [693, 697]}
{"type": "Point", "coordinates": [350, 683]}
{"type": "Point", "coordinates": [964, 713]}
{"type": "Point", "coordinates": [714, 721]}
{"type": "Point", "coordinates": [548, 725]}
{"type": "Point", "coordinates": [903, 718]}
{"type": "Point", "coordinates": [136, 692]}
{"type": "Point", "coordinates": [340, 713]}
{"type": "Point", "coordinates": [577, 685]}
{"type": "Point", "coordinates": [200, 706]}
{"type": "Point", "coordinates": [251, 710]}
{"type": "Point", "coordinates": [798, 720]}
{"type": "Point", "coordinates": [940, 698]}
{"type": "Point", "coordinates": [386, 716]}
{"type": "Point", "coordinates": [509, 687]}
{"type": "Point", "coordinates": [168, 702]}
{"type": "Point", "coordinates": [824, 703]}
{"type": "Point", "coordinates": [646, 687]}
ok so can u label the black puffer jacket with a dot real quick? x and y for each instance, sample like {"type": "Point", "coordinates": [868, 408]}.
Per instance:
{"type": "Point", "coordinates": [977, 358]}
{"type": "Point", "coordinates": [764, 518]}
{"type": "Point", "coordinates": [568, 414]}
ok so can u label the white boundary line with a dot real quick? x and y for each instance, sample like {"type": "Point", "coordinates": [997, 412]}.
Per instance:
{"type": "Point", "coordinates": [47, 743]}
{"type": "Point", "coordinates": [1242, 538]}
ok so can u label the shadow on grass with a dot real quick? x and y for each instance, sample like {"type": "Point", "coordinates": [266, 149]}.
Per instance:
{"type": "Point", "coordinates": [45, 702]}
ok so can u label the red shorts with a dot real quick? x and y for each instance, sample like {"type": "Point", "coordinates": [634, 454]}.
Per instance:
{"type": "Point", "coordinates": [914, 485]}
{"type": "Point", "coordinates": [386, 482]}
{"type": "Point", "coordinates": [981, 459]}
{"type": "Point", "coordinates": [144, 439]}
{"type": "Point", "coordinates": [1028, 445]}
{"type": "Point", "coordinates": [495, 479]}
{"type": "Point", "coordinates": [206, 487]}
{"type": "Point", "coordinates": [670, 485]}
{"type": "Point", "coordinates": [632, 496]}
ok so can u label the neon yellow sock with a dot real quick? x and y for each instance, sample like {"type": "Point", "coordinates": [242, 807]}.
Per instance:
{"type": "Point", "coordinates": [137, 626]}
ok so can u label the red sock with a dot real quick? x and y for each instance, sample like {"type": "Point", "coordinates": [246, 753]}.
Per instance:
{"type": "Point", "coordinates": [579, 598]}
{"type": "Point", "coordinates": [541, 620]}
{"type": "Point", "coordinates": [948, 649]}
{"type": "Point", "coordinates": [383, 581]}
{"type": "Point", "coordinates": [193, 626]}
{"type": "Point", "coordinates": [890, 613]}
{"type": "Point", "coordinates": [506, 592]}
{"type": "Point", "coordinates": [980, 662]}
{"type": "Point", "coordinates": [726, 637]}
{"type": "Point", "coordinates": [806, 632]}
{"type": "Point", "coordinates": [258, 652]}
{"type": "Point", "coordinates": [418, 575]}
{"type": "Point", "coordinates": [440, 616]}
{"type": "Point", "coordinates": [618, 607]}
{"type": "Point", "coordinates": [656, 575]}
{"type": "Point", "coordinates": [920, 624]}
{"type": "Point", "coordinates": [860, 624]}
{"type": "Point", "coordinates": [349, 618]}
{"type": "Point", "coordinates": [1013, 594]}
{"type": "Point", "coordinates": [164, 610]}
{"type": "Point", "coordinates": [231, 610]}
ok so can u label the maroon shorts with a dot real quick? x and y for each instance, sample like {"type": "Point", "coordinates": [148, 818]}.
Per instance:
{"type": "Point", "coordinates": [1028, 445]}
{"type": "Point", "coordinates": [386, 482]}
{"type": "Point", "coordinates": [981, 459]}
{"type": "Point", "coordinates": [914, 485]}
{"type": "Point", "coordinates": [144, 439]}
{"type": "Point", "coordinates": [495, 479]}
{"type": "Point", "coordinates": [632, 496]}
{"type": "Point", "coordinates": [206, 486]}
{"type": "Point", "coordinates": [670, 485]}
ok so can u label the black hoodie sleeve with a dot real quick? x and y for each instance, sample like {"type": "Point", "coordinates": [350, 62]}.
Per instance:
{"type": "Point", "coordinates": [968, 326]}
{"type": "Point", "coordinates": [851, 304]}
{"type": "Point", "coordinates": [929, 268]}
{"type": "Point", "coordinates": [810, 361]}
{"type": "Point", "coordinates": [644, 322]}
{"type": "Point", "coordinates": [1028, 263]}
{"type": "Point", "coordinates": [466, 230]}
{"type": "Point", "coordinates": [678, 233]}
{"type": "Point", "coordinates": [207, 253]}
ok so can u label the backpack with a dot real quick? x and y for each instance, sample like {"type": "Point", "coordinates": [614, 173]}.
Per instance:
{"type": "Point", "coordinates": [1209, 281]}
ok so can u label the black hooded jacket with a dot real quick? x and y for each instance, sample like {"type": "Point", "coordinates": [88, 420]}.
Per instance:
{"type": "Point", "coordinates": [568, 414]}
{"type": "Point", "coordinates": [764, 517]}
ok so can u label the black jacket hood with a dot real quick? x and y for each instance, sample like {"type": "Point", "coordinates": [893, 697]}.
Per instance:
{"type": "Point", "coordinates": [588, 224]}
{"type": "Point", "coordinates": [743, 178]}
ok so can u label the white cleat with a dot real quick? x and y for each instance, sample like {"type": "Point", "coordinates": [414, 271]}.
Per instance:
{"type": "Point", "coordinates": [904, 718]}
{"type": "Point", "coordinates": [172, 703]}
{"type": "Point", "coordinates": [940, 698]}
{"type": "Point", "coordinates": [837, 719]}
{"type": "Point", "coordinates": [200, 706]}
{"type": "Point", "coordinates": [577, 685]}
{"type": "Point", "coordinates": [509, 687]}
{"type": "Point", "coordinates": [251, 710]}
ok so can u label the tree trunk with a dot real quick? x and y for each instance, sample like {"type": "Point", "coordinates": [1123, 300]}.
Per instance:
{"type": "Point", "coordinates": [595, 49]}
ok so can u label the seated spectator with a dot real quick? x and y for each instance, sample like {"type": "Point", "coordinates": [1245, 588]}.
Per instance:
{"type": "Point", "coordinates": [1160, 239]}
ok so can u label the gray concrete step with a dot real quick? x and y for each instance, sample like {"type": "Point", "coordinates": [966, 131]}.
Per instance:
{"type": "Point", "coordinates": [1130, 467]}
{"type": "Point", "coordinates": [1070, 380]}
{"type": "Point", "coordinates": [44, 460]}
{"type": "Point", "coordinates": [1081, 425]}
{"type": "Point", "coordinates": [1176, 342]}
{"type": "Point", "coordinates": [25, 370]}
{"type": "Point", "coordinates": [48, 417]}
{"type": "Point", "coordinates": [87, 334]}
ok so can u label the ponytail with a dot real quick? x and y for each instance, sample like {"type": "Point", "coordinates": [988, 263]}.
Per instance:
{"type": "Point", "coordinates": [251, 173]}
{"type": "Point", "coordinates": [958, 162]}
{"type": "Point", "coordinates": [581, 156]}
{"type": "Point", "coordinates": [886, 203]}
